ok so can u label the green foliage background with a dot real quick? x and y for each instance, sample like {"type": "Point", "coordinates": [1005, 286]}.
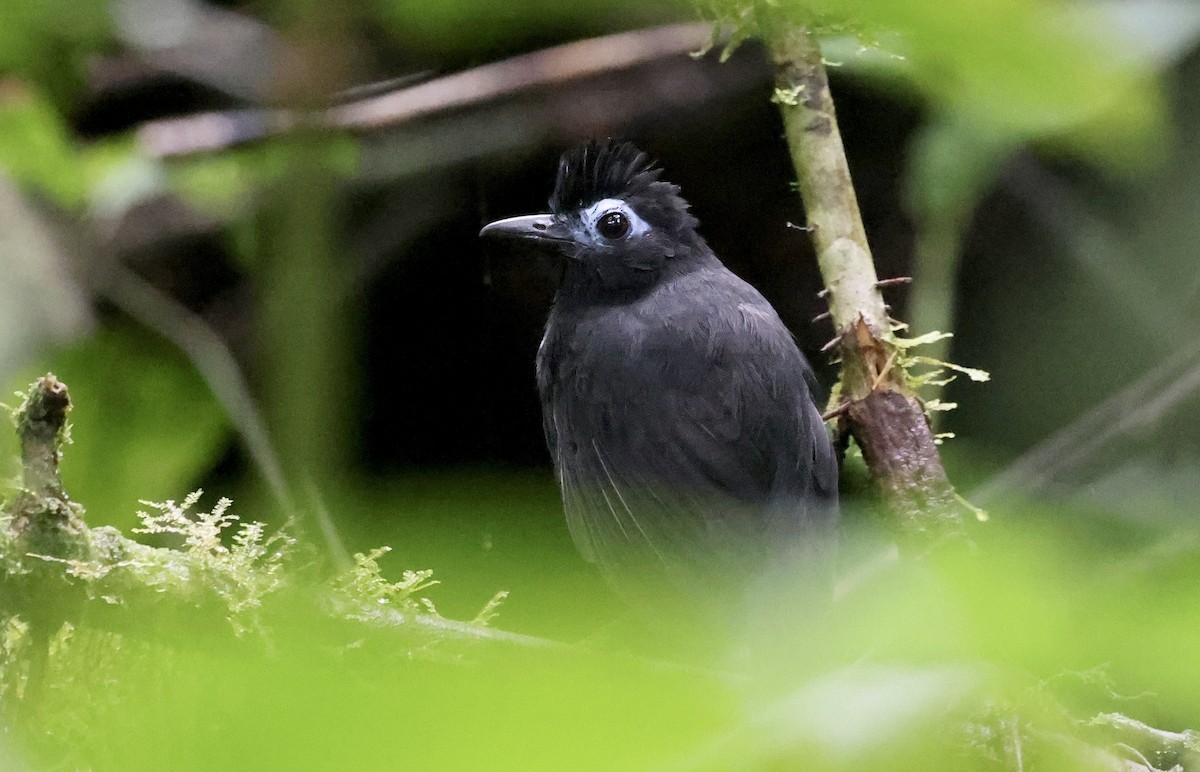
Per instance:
{"type": "Point", "coordinates": [1065, 610]}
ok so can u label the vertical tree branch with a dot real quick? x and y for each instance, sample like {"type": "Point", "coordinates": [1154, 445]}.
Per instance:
{"type": "Point", "coordinates": [880, 409]}
{"type": "Point", "coordinates": [41, 419]}
{"type": "Point", "coordinates": [41, 521]}
{"type": "Point", "coordinates": [306, 335]}
{"type": "Point", "coordinates": [42, 518]}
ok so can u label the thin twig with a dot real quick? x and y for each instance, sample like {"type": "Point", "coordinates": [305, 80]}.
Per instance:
{"type": "Point", "coordinates": [885, 370]}
{"type": "Point", "coordinates": [833, 413]}
{"type": "Point", "coordinates": [213, 361]}
{"type": "Point", "coordinates": [1171, 381]}
{"type": "Point", "coordinates": [491, 82]}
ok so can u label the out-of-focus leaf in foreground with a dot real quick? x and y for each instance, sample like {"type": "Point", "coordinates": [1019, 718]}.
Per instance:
{"type": "Point", "coordinates": [966, 660]}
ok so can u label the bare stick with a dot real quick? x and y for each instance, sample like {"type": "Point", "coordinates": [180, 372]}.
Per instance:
{"type": "Point", "coordinates": [216, 365]}
{"type": "Point", "coordinates": [488, 83]}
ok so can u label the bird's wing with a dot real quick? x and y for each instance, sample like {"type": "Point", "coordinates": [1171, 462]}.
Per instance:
{"type": "Point", "coordinates": [695, 467]}
{"type": "Point", "coordinates": [546, 391]}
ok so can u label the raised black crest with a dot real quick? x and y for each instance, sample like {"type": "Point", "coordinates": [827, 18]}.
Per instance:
{"type": "Point", "coordinates": [595, 171]}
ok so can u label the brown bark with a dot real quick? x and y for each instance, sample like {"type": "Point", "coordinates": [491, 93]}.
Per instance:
{"type": "Point", "coordinates": [904, 461]}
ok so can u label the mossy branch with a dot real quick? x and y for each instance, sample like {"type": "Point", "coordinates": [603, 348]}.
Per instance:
{"type": "Point", "coordinates": [877, 402]}
{"type": "Point", "coordinates": [55, 569]}
{"type": "Point", "coordinates": [41, 421]}
{"type": "Point", "coordinates": [42, 518]}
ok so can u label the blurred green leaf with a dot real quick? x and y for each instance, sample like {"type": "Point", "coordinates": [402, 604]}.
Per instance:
{"type": "Point", "coordinates": [36, 147]}
{"type": "Point", "coordinates": [953, 164]}
{"type": "Point", "coordinates": [964, 660]}
{"type": "Point", "coordinates": [221, 184]}
{"type": "Point", "coordinates": [1024, 66]}
{"type": "Point", "coordinates": [47, 41]}
{"type": "Point", "coordinates": [38, 151]}
{"type": "Point", "coordinates": [1016, 68]}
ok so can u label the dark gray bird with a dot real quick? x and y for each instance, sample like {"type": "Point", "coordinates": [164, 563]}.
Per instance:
{"type": "Point", "coordinates": [678, 410]}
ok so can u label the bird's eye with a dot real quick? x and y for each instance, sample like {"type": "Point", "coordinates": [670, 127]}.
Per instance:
{"type": "Point", "coordinates": [613, 225]}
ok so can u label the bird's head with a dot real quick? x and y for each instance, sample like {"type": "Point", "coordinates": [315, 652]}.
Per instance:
{"type": "Point", "coordinates": [612, 216]}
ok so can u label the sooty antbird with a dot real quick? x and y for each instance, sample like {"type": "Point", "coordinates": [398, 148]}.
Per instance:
{"type": "Point", "coordinates": [678, 410]}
